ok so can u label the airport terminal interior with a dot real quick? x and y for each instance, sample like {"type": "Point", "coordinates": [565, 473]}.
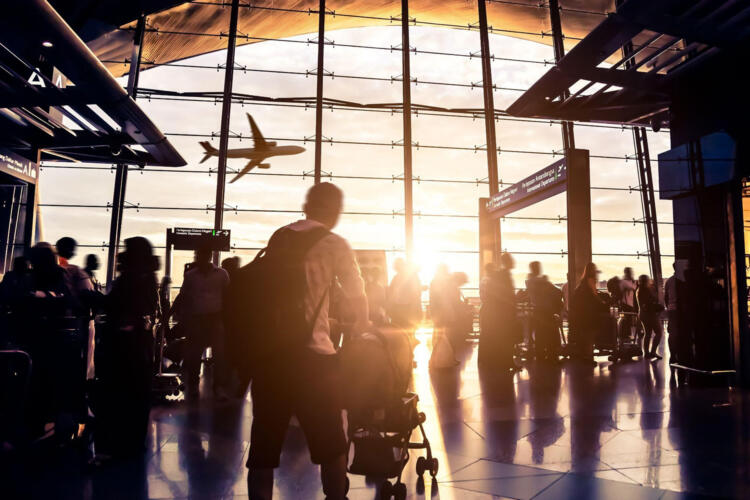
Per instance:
{"type": "Point", "coordinates": [548, 184]}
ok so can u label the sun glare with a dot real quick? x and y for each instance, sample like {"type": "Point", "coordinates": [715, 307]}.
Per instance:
{"type": "Point", "coordinates": [426, 262]}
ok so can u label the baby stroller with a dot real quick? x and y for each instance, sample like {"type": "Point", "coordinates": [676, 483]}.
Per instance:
{"type": "Point", "coordinates": [382, 414]}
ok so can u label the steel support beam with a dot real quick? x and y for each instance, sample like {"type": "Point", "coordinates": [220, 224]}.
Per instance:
{"type": "Point", "coordinates": [406, 84]}
{"type": "Point", "coordinates": [32, 203]}
{"type": "Point", "coordinates": [489, 117]}
{"type": "Point", "coordinates": [226, 109]}
{"type": "Point", "coordinates": [319, 90]}
{"type": "Point", "coordinates": [577, 233]}
{"type": "Point", "coordinates": [737, 282]}
{"type": "Point", "coordinates": [645, 179]}
{"type": "Point", "coordinates": [121, 175]}
{"type": "Point", "coordinates": [569, 141]}
{"type": "Point", "coordinates": [643, 160]}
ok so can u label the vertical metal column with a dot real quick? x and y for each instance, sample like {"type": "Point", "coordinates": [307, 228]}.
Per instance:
{"type": "Point", "coordinates": [319, 89]}
{"type": "Point", "coordinates": [168, 254]}
{"type": "Point", "coordinates": [489, 99]}
{"type": "Point", "coordinates": [649, 205]}
{"type": "Point", "coordinates": [645, 179]}
{"type": "Point", "coordinates": [13, 212]}
{"type": "Point", "coordinates": [737, 282]}
{"type": "Point", "coordinates": [406, 75]}
{"type": "Point", "coordinates": [559, 48]}
{"type": "Point", "coordinates": [226, 108]}
{"type": "Point", "coordinates": [569, 144]}
{"type": "Point", "coordinates": [121, 175]}
{"type": "Point", "coordinates": [489, 125]}
{"type": "Point", "coordinates": [32, 198]}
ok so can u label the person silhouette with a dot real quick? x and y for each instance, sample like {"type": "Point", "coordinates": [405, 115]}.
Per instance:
{"type": "Point", "coordinates": [587, 313]}
{"type": "Point", "coordinates": [305, 381]}
{"type": "Point", "coordinates": [125, 355]}
{"type": "Point", "coordinates": [92, 265]}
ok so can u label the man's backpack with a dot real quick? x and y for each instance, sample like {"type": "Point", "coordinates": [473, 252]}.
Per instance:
{"type": "Point", "coordinates": [266, 299]}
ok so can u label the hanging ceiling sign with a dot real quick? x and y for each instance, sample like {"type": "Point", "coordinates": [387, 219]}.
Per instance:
{"type": "Point", "coordinates": [18, 166]}
{"type": "Point", "coordinates": [539, 186]}
{"type": "Point", "coordinates": [187, 238]}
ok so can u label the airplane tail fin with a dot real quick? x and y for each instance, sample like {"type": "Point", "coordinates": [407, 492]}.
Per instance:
{"type": "Point", "coordinates": [209, 150]}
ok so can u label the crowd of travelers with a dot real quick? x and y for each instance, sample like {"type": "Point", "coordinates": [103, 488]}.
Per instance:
{"type": "Point", "coordinates": [93, 349]}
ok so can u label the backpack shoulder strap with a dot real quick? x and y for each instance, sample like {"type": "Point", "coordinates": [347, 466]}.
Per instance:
{"type": "Point", "coordinates": [301, 241]}
{"type": "Point", "coordinates": [308, 239]}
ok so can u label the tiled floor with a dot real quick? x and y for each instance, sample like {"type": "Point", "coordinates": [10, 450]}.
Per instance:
{"type": "Point", "coordinates": [548, 432]}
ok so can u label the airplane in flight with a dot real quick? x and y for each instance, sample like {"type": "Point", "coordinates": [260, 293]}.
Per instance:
{"type": "Point", "coordinates": [262, 149]}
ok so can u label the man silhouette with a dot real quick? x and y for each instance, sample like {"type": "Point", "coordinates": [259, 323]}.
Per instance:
{"type": "Point", "coordinates": [306, 382]}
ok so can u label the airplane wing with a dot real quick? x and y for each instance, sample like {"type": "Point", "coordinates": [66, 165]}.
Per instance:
{"type": "Point", "coordinates": [258, 140]}
{"type": "Point", "coordinates": [250, 165]}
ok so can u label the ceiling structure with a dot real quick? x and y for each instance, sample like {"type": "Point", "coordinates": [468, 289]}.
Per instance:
{"type": "Point", "coordinates": [107, 25]}
{"type": "Point", "coordinates": [661, 50]}
{"type": "Point", "coordinates": [74, 112]}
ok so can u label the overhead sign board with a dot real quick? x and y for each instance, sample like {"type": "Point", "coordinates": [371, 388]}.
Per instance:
{"type": "Point", "coordinates": [18, 166]}
{"type": "Point", "coordinates": [188, 238]}
{"type": "Point", "coordinates": [547, 182]}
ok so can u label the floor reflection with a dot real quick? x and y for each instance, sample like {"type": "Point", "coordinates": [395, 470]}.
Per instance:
{"type": "Point", "coordinates": [549, 431]}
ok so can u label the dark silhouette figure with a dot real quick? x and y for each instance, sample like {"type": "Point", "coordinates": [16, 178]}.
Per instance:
{"type": "Point", "coordinates": [649, 310]}
{"type": "Point", "coordinates": [502, 329]}
{"type": "Point", "coordinates": [588, 314]}
{"type": "Point", "coordinates": [79, 280]}
{"type": "Point", "coordinates": [45, 310]}
{"type": "Point", "coordinates": [233, 353]}
{"type": "Point", "coordinates": [547, 301]}
{"type": "Point", "coordinates": [125, 354]}
{"type": "Point", "coordinates": [303, 378]}
{"type": "Point", "coordinates": [231, 265]}
{"type": "Point", "coordinates": [200, 305]}
{"type": "Point", "coordinates": [92, 265]}
{"type": "Point", "coordinates": [533, 279]}
{"type": "Point", "coordinates": [16, 281]}
{"type": "Point", "coordinates": [547, 308]}
{"type": "Point", "coordinates": [443, 313]}
{"type": "Point", "coordinates": [82, 293]}
{"type": "Point", "coordinates": [404, 304]}
{"type": "Point", "coordinates": [462, 315]}
{"type": "Point", "coordinates": [628, 304]}
{"type": "Point", "coordinates": [673, 287]}
{"type": "Point", "coordinates": [14, 289]}
{"type": "Point", "coordinates": [376, 296]}
{"type": "Point", "coordinates": [488, 313]}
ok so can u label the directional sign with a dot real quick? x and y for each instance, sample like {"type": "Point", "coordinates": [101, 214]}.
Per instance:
{"type": "Point", "coordinates": [186, 238]}
{"type": "Point", "coordinates": [18, 166]}
{"type": "Point", "coordinates": [545, 183]}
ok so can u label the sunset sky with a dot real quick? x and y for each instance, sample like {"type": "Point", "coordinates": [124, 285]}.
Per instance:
{"type": "Point", "coordinates": [438, 239]}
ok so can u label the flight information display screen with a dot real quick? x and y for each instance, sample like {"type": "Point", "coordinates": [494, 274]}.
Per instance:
{"type": "Point", "coordinates": [188, 238]}
{"type": "Point", "coordinates": [539, 186]}
{"type": "Point", "coordinates": [18, 166]}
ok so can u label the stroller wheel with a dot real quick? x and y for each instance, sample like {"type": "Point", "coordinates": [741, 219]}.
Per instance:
{"type": "Point", "coordinates": [421, 466]}
{"type": "Point", "coordinates": [434, 467]}
{"type": "Point", "coordinates": [386, 490]}
{"type": "Point", "coordinates": [399, 491]}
